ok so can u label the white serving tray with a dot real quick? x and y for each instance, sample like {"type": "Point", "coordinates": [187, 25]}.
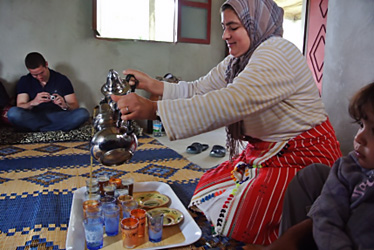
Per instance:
{"type": "Point", "coordinates": [75, 239]}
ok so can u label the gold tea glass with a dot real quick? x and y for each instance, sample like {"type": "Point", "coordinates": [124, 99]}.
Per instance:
{"type": "Point", "coordinates": [139, 214]}
{"type": "Point", "coordinates": [129, 228]}
{"type": "Point", "coordinates": [92, 208]}
{"type": "Point", "coordinates": [116, 181]}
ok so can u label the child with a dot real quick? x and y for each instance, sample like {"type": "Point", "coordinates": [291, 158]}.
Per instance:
{"type": "Point", "coordinates": [343, 215]}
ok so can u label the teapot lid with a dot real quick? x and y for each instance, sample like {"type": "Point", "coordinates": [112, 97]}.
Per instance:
{"type": "Point", "coordinates": [114, 85]}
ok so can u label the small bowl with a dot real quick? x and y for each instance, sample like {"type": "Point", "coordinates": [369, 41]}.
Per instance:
{"type": "Point", "coordinates": [152, 200]}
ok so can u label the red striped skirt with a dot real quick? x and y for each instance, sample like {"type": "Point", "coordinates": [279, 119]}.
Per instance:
{"type": "Point", "coordinates": [249, 209]}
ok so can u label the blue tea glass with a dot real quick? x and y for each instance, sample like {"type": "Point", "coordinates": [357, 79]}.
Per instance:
{"type": "Point", "coordinates": [111, 218]}
{"type": "Point", "coordinates": [127, 206]}
{"type": "Point", "coordinates": [94, 231]}
{"type": "Point", "coordinates": [155, 225]}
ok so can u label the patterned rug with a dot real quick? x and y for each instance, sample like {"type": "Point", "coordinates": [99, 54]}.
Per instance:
{"type": "Point", "coordinates": [9, 135]}
{"type": "Point", "coordinates": [37, 182]}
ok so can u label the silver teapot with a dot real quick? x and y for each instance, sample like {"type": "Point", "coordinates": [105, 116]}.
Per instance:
{"type": "Point", "coordinates": [115, 142]}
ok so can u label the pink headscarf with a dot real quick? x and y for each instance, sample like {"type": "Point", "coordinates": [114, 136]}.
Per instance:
{"type": "Point", "coordinates": [262, 19]}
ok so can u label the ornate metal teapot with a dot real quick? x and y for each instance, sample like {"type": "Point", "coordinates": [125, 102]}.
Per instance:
{"type": "Point", "coordinates": [115, 142]}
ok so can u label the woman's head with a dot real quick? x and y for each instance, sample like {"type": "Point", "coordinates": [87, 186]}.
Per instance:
{"type": "Point", "coordinates": [361, 109]}
{"type": "Point", "coordinates": [260, 19]}
{"type": "Point", "coordinates": [234, 33]}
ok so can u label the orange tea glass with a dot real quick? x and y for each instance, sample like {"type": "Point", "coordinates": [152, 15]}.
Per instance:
{"type": "Point", "coordinates": [116, 181]}
{"type": "Point", "coordinates": [129, 227]}
{"type": "Point", "coordinates": [91, 208]}
{"type": "Point", "coordinates": [139, 214]}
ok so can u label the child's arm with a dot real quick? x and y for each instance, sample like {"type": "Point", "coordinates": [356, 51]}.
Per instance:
{"type": "Point", "coordinates": [296, 237]}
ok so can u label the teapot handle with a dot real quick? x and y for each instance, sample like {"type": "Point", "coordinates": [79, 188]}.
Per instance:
{"type": "Point", "coordinates": [128, 78]}
{"type": "Point", "coordinates": [133, 87]}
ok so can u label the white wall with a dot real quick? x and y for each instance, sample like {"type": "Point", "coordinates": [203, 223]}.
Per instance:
{"type": "Point", "coordinates": [61, 31]}
{"type": "Point", "coordinates": [349, 61]}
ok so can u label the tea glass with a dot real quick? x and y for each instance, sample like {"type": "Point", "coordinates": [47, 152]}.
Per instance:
{"type": "Point", "coordinates": [129, 184]}
{"type": "Point", "coordinates": [111, 219]}
{"type": "Point", "coordinates": [127, 204]}
{"type": "Point", "coordinates": [139, 214]}
{"type": "Point", "coordinates": [155, 225]}
{"type": "Point", "coordinates": [129, 228]}
{"type": "Point", "coordinates": [94, 232]}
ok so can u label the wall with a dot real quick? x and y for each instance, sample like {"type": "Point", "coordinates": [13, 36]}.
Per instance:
{"type": "Point", "coordinates": [61, 31]}
{"type": "Point", "coordinates": [349, 61]}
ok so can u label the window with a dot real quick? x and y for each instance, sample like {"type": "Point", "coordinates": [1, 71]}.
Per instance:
{"type": "Point", "coordinates": [293, 21]}
{"type": "Point", "coordinates": [153, 20]}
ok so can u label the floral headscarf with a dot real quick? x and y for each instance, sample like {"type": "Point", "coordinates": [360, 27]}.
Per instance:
{"type": "Point", "coordinates": [262, 19]}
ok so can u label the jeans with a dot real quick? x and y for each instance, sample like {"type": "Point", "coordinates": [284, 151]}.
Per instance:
{"type": "Point", "coordinates": [30, 120]}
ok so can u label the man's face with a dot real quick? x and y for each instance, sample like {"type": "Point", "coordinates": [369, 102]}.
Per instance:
{"type": "Point", "coordinates": [41, 73]}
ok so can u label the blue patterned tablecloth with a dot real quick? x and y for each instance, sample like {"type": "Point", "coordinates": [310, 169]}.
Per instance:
{"type": "Point", "coordinates": [37, 182]}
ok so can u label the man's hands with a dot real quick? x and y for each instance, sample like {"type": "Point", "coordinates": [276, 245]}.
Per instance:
{"type": "Point", "coordinates": [59, 101]}
{"type": "Point", "coordinates": [43, 97]}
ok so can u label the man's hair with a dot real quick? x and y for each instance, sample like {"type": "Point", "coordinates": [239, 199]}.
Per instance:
{"type": "Point", "coordinates": [362, 100]}
{"type": "Point", "coordinates": [34, 60]}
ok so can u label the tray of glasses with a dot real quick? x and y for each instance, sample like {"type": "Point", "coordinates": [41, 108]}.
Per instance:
{"type": "Point", "coordinates": [182, 234]}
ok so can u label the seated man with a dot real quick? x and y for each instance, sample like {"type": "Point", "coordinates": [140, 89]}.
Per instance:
{"type": "Point", "coordinates": [45, 99]}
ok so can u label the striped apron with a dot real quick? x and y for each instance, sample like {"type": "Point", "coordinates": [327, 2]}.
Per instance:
{"type": "Point", "coordinates": [243, 199]}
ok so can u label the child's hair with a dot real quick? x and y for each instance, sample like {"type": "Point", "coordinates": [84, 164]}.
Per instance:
{"type": "Point", "coordinates": [359, 103]}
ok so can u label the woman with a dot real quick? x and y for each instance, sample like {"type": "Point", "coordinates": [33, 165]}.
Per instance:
{"type": "Point", "coordinates": [265, 95]}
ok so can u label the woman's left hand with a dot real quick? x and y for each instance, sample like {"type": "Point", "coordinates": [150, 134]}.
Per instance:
{"type": "Point", "coordinates": [135, 107]}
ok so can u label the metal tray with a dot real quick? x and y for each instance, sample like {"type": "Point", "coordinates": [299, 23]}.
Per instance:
{"type": "Point", "coordinates": [190, 230]}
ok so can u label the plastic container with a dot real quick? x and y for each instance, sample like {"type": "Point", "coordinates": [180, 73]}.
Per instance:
{"type": "Point", "coordinates": [157, 128]}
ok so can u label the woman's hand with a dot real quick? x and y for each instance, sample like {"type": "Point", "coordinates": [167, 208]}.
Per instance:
{"type": "Point", "coordinates": [146, 82]}
{"type": "Point", "coordinates": [135, 107]}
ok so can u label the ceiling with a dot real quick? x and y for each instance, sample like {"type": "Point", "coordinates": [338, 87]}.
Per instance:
{"type": "Point", "coordinates": [292, 8]}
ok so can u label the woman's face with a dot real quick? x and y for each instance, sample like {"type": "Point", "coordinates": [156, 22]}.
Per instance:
{"type": "Point", "coordinates": [234, 33]}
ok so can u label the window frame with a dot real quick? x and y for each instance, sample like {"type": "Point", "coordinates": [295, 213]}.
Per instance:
{"type": "Point", "coordinates": [191, 3]}
{"type": "Point", "coordinates": [179, 39]}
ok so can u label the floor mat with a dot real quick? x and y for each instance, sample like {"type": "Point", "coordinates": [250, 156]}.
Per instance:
{"type": "Point", "coordinates": [10, 136]}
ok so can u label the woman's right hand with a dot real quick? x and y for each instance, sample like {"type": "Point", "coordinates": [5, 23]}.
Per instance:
{"type": "Point", "coordinates": [146, 82]}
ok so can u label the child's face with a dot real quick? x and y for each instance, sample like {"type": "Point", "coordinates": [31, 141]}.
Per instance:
{"type": "Point", "coordinates": [364, 140]}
